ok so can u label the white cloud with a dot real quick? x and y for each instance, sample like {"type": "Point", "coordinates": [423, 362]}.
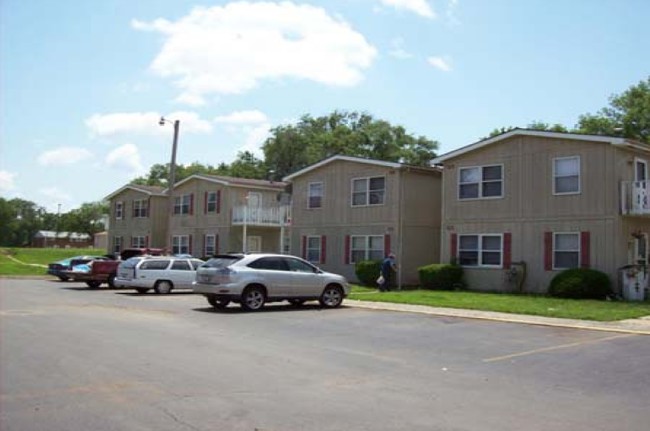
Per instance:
{"type": "Point", "coordinates": [146, 123]}
{"type": "Point", "coordinates": [64, 156]}
{"type": "Point", "coordinates": [126, 158]}
{"type": "Point", "coordinates": [7, 181]}
{"type": "Point", "coordinates": [230, 49]}
{"type": "Point", "coordinates": [397, 49]}
{"type": "Point", "coordinates": [255, 137]}
{"type": "Point", "coordinates": [55, 196]}
{"type": "Point", "coordinates": [442, 63]}
{"type": "Point", "coordinates": [242, 117]}
{"type": "Point", "coordinates": [420, 7]}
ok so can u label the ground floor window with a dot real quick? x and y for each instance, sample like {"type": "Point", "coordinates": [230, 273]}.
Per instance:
{"type": "Point", "coordinates": [210, 245]}
{"type": "Point", "coordinates": [566, 250]}
{"type": "Point", "coordinates": [366, 247]}
{"type": "Point", "coordinates": [117, 244]}
{"type": "Point", "coordinates": [181, 244]}
{"type": "Point", "coordinates": [139, 241]}
{"type": "Point", "coordinates": [485, 250]}
{"type": "Point", "coordinates": [314, 249]}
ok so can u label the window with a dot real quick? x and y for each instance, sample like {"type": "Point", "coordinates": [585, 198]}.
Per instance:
{"type": "Point", "coordinates": [315, 195]}
{"type": "Point", "coordinates": [368, 191]}
{"type": "Point", "coordinates": [269, 264]}
{"type": "Point", "coordinates": [210, 245]}
{"type": "Point", "coordinates": [117, 244]}
{"type": "Point", "coordinates": [313, 249]}
{"type": "Point", "coordinates": [566, 250]}
{"type": "Point", "coordinates": [182, 204]}
{"type": "Point", "coordinates": [480, 182]}
{"type": "Point", "coordinates": [212, 202]}
{"type": "Point", "coordinates": [141, 208]}
{"type": "Point", "coordinates": [181, 265]}
{"type": "Point", "coordinates": [366, 248]}
{"type": "Point", "coordinates": [119, 210]}
{"type": "Point", "coordinates": [181, 244]}
{"type": "Point", "coordinates": [154, 265]}
{"type": "Point", "coordinates": [296, 265]}
{"type": "Point", "coordinates": [566, 175]}
{"type": "Point", "coordinates": [480, 250]}
{"type": "Point", "coordinates": [139, 241]}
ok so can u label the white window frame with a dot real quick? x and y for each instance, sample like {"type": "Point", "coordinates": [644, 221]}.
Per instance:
{"type": "Point", "coordinates": [181, 244]}
{"type": "Point", "coordinates": [367, 251]}
{"type": "Point", "coordinates": [138, 241]}
{"type": "Point", "coordinates": [555, 176]}
{"type": "Point", "coordinates": [367, 192]}
{"type": "Point", "coordinates": [311, 195]}
{"type": "Point", "coordinates": [141, 208]}
{"type": "Point", "coordinates": [117, 244]}
{"type": "Point", "coordinates": [317, 248]}
{"type": "Point", "coordinates": [210, 238]}
{"type": "Point", "coordinates": [481, 182]}
{"type": "Point", "coordinates": [480, 250]}
{"type": "Point", "coordinates": [182, 204]}
{"type": "Point", "coordinates": [577, 250]}
{"type": "Point", "coordinates": [119, 210]}
{"type": "Point", "coordinates": [212, 201]}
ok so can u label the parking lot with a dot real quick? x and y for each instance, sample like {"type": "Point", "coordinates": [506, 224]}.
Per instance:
{"type": "Point", "coordinates": [72, 358]}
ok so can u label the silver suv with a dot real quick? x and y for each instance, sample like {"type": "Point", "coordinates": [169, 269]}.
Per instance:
{"type": "Point", "coordinates": [255, 279]}
{"type": "Point", "coordinates": [160, 273]}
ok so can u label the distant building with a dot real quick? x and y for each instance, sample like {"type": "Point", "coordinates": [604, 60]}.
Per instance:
{"type": "Point", "coordinates": [52, 239]}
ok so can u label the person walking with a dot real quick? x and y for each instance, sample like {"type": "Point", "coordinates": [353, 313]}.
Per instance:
{"type": "Point", "coordinates": [388, 269]}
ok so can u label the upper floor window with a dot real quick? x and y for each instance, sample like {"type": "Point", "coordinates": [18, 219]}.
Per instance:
{"type": "Point", "coordinates": [315, 195]}
{"type": "Point", "coordinates": [480, 250]}
{"type": "Point", "coordinates": [368, 191]}
{"type": "Point", "coordinates": [366, 247]}
{"type": "Point", "coordinates": [119, 210]}
{"type": "Point", "coordinates": [141, 208]}
{"type": "Point", "coordinates": [566, 175]}
{"type": "Point", "coordinates": [480, 182]}
{"type": "Point", "coordinates": [566, 250]}
{"type": "Point", "coordinates": [183, 204]}
{"type": "Point", "coordinates": [212, 202]}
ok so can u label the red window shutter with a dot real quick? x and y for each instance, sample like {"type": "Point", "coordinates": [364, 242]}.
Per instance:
{"type": "Point", "coordinates": [548, 251]}
{"type": "Point", "coordinates": [192, 204]}
{"type": "Point", "coordinates": [346, 256]}
{"type": "Point", "coordinates": [585, 255]}
{"type": "Point", "coordinates": [303, 247]}
{"type": "Point", "coordinates": [218, 201]}
{"type": "Point", "coordinates": [453, 247]}
{"type": "Point", "coordinates": [323, 249]}
{"type": "Point", "coordinates": [387, 249]}
{"type": "Point", "coordinates": [205, 202]}
{"type": "Point", "coordinates": [507, 249]}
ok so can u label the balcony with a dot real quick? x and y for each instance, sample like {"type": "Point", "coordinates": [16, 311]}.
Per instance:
{"type": "Point", "coordinates": [261, 216]}
{"type": "Point", "coordinates": [634, 198]}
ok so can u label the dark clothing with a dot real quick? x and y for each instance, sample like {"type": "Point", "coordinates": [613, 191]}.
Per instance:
{"type": "Point", "coordinates": [387, 270]}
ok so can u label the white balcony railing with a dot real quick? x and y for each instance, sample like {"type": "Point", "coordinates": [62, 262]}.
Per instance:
{"type": "Point", "coordinates": [635, 199]}
{"type": "Point", "coordinates": [261, 216]}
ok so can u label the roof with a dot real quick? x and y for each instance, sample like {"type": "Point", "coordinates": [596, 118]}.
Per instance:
{"type": "Point", "coordinates": [384, 163]}
{"type": "Point", "coordinates": [544, 134]}
{"type": "Point", "coordinates": [64, 235]}
{"type": "Point", "coordinates": [148, 190]}
{"type": "Point", "coordinates": [236, 182]}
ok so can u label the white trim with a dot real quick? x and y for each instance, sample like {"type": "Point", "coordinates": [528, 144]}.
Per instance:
{"type": "Point", "coordinates": [322, 195]}
{"type": "Point", "coordinates": [134, 188]}
{"type": "Point", "coordinates": [329, 160]}
{"type": "Point", "coordinates": [553, 176]}
{"type": "Point", "coordinates": [645, 163]}
{"type": "Point", "coordinates": [480, 182]}
{"type": "Point", "coordinates": [367, 204]}
{"type": "Point", "coordinates": [480, 250]}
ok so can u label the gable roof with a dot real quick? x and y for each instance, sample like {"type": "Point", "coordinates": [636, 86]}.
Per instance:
{"type": "Point", "coordinates": [392, 165]}
{"type": "Point", "coordinates": [235, 182]}
{"type": "Point", "coordinates": [544, 134]}
{"type": "Point", "coordinates": [148, 190]}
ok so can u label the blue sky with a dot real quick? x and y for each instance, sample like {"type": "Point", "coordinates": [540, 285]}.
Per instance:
{"type": "Point", "coordinates": [83, 83]}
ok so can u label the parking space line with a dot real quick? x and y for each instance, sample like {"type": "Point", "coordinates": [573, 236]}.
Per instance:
{"type": "Point", "coordinates": [558, 347]}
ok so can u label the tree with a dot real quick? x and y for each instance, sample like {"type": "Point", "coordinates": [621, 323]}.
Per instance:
{"type": "Point", "coordinates": [535, 125]}
{"type": "Point", "coordinates": [628, 115]}
{"type": "Point", "coordinates": [19, 222]}
{"type": "Point", "coordinates": [89, 218]}
{"type": "Point", "coordinates": [293, 147]}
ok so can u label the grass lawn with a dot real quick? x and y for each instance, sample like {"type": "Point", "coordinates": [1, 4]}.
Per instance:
{"type": "Point", "coordinates": [35, 260]}
{"type": "Point", "coordinates": [537, 305]}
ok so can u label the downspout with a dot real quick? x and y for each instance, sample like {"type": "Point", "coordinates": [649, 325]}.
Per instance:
{"type": "Point", "coordinates": [400, 226]}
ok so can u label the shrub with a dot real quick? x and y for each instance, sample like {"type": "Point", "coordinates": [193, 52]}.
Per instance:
{"type": "Point", "coordinates": [443, 276]}
{"type": "Point", "coordinates": [367, 272]}
{"type": "Point", "coordinates": [580, 283]}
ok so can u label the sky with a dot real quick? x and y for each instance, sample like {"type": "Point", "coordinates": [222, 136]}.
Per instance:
{"type": "Point", "coordinates": [83, 84]}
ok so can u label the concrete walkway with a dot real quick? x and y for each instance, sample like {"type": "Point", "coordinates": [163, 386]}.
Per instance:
{"type": "Point", "coordinates": [630, 326]}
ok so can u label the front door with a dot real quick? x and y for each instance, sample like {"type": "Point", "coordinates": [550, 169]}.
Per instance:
{"type": "Point", "coordinates": [254, 244]}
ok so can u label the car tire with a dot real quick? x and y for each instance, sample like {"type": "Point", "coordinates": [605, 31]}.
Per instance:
{"type": "Point", "coordinates": [163, 287]}
{"type": "Point", "coordinates": [217, 303]}
{"type": "Point", "coordinates": [63, 278]}
{"type": "Point", "coordinates": [253, 298]}
{"type": "Point", "coordinates": [332, 297]}
{"type": "Point", "coordinates": [93, 284]}
{"type": "Point", "coordinates": [111, 281]}
{"type": "Point", "coordinates": [296, 302]}
{"type": "Point", "coordinates": [142, 289]}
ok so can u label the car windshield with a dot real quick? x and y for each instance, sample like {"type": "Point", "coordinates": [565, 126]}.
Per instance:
{"type": "Point", "coordinates": [220, 262]}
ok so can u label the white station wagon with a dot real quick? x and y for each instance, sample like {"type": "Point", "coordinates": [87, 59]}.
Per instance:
{"type": "Point", "coordinates": [160, 273]}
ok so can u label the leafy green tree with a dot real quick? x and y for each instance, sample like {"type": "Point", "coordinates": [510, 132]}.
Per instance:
{"type": "Point", "coordinates": [89, 218]}
{"type": "Point", "coordinates": [19, 222]}
{"type": "Point", "coordinates": [628, 115]}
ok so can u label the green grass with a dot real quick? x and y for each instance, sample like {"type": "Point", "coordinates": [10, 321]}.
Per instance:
{"type": "Point", "coordinates": [37, 256]}
{"type": "Point", "coordinates": [537, 305]}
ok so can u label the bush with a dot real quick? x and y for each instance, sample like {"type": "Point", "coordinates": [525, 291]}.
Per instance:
{"type": "Point", "coordinates": [367, 272]}
{"type": "Point", "coordinates": [580, 283]}
{"type": "Point", "coordinates": [443, 276]}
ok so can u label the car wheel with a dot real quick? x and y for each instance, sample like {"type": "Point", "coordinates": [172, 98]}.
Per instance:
{"type": "Point", "coordinates": [163, 287]}
{"type": "Point", "coordinates": [93, 284]}
{"type": "Point", "coordinates": [332, 297]}
{"type": "Point", "coordinates": [253, 298]}
{"type": "Point", "coordinates": [217, 303]}
{"type": "Point", "coordinates": [63, 278]}
{"type": "Point", "coordinates": [296, 302]}
{"type": "Point", "coordinates": [111, 281]}
{"type": "Point", "coordinates": [142, 289]}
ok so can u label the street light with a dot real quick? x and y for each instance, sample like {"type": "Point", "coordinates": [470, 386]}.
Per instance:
{"type": "Point", "coordinates": [172, 179]}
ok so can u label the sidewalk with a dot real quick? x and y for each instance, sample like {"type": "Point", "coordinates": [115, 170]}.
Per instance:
{"type": "Point", "coordinates": [639, 326]}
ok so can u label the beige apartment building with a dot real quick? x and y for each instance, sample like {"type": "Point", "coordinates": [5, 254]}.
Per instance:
{"type": "Point", "coordinates": [519, 207]}
{"type": "Point", "coordinates": [348, 209]}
